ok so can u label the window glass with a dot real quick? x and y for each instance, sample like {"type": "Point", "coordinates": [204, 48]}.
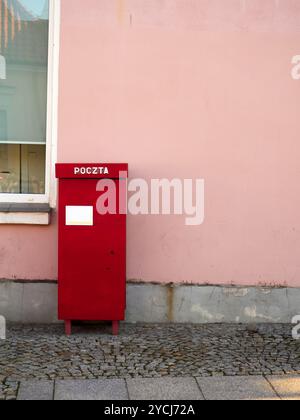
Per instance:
{"type": "Point", "coordinates": [24, 27]}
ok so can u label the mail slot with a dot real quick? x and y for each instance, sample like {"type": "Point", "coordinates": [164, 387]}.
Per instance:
{"type": "Point", "coordinates": [91, 244]}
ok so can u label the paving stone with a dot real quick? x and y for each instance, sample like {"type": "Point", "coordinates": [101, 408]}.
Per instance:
{"type": "Point", "coordinates": [97, 390]}
{"type": "Point", "coordinates": [145, 351]}
{"type": "Point", "coordinates": [236, 388]}
{"type": "Point", "coordinates": [36, 391]}
{"type": "Point", "coordinates": [164, 389]}
{"type": "Point", "coordinates": [287, 387]}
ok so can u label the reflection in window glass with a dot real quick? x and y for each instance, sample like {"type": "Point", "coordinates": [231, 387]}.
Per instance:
{"type": "Point", "coordinates": [22, 169]}
{"type": "Point", "coordinates": [24, 26]}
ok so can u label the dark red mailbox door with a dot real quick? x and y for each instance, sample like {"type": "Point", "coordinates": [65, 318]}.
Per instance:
{"type": "Point", "coordinates": [92, 247]}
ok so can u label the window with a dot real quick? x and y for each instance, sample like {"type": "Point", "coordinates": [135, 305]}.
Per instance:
{"type": "Point", "coordinates": [24, 83]}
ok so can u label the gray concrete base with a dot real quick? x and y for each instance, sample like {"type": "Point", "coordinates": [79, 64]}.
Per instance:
{"type": "Point", "coordinates": [209, 304]}
{"type": "Point", "coordinates": [28, 302]}
{"type": "Point", "coordinates": [36, 302]}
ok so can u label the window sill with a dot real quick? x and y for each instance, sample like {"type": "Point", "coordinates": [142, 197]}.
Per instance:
{"type": "Point", "coordinates": [24, 214]}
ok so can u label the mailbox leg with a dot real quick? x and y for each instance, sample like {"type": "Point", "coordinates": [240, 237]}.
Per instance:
{"type": "Point", "coordinates": [68, 328]}
{"type": "Point", "coordinates": [115, 327]}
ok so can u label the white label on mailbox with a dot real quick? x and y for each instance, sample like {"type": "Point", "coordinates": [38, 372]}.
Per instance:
{"type": "Point", "coordinates": [79, 216]}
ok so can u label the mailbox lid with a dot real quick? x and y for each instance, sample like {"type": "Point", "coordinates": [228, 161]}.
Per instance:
{"type": "Point", "coordinates": [91, 170]}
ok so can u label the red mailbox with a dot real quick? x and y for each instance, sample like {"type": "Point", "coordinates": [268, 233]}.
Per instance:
{"type": "Point", "coordinates": [92, 245]}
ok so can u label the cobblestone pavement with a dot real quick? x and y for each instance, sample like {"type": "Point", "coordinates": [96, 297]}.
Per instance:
{"type": "Point", "coordinates": [145, 351]}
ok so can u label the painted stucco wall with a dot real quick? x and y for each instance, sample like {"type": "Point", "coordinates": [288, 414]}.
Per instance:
{"type": "Point", "coordinates": [185, 89]}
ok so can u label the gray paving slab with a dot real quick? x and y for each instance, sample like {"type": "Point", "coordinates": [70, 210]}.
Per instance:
{"type": "Point", "coordinates": [91, 390]}
{"type": "Point", "coordinates": [287, 387]}
{"type": "Point", "coordinates": [164, 389]}
{"type": "Point", "coordinates": [36, 391]}
{"type": "Point", "coordinates": [237, 388]}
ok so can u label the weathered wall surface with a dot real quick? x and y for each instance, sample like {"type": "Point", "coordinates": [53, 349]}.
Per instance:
{"type": "Point", "coordinates": [36, 302]}
{"type": "Point", "coordinates": [185, 89]}
{"type": "Point", "coordinates": [189, 89]}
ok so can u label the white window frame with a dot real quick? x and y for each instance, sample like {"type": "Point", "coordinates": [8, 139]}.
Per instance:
{"type": "Point", "coordinates": [52, 117]}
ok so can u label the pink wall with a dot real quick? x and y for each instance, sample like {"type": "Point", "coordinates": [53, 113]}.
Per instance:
{"type": "Point", "coordinates": [28, 253]}
{"type": "Point", "coordinates": [191, 89]}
